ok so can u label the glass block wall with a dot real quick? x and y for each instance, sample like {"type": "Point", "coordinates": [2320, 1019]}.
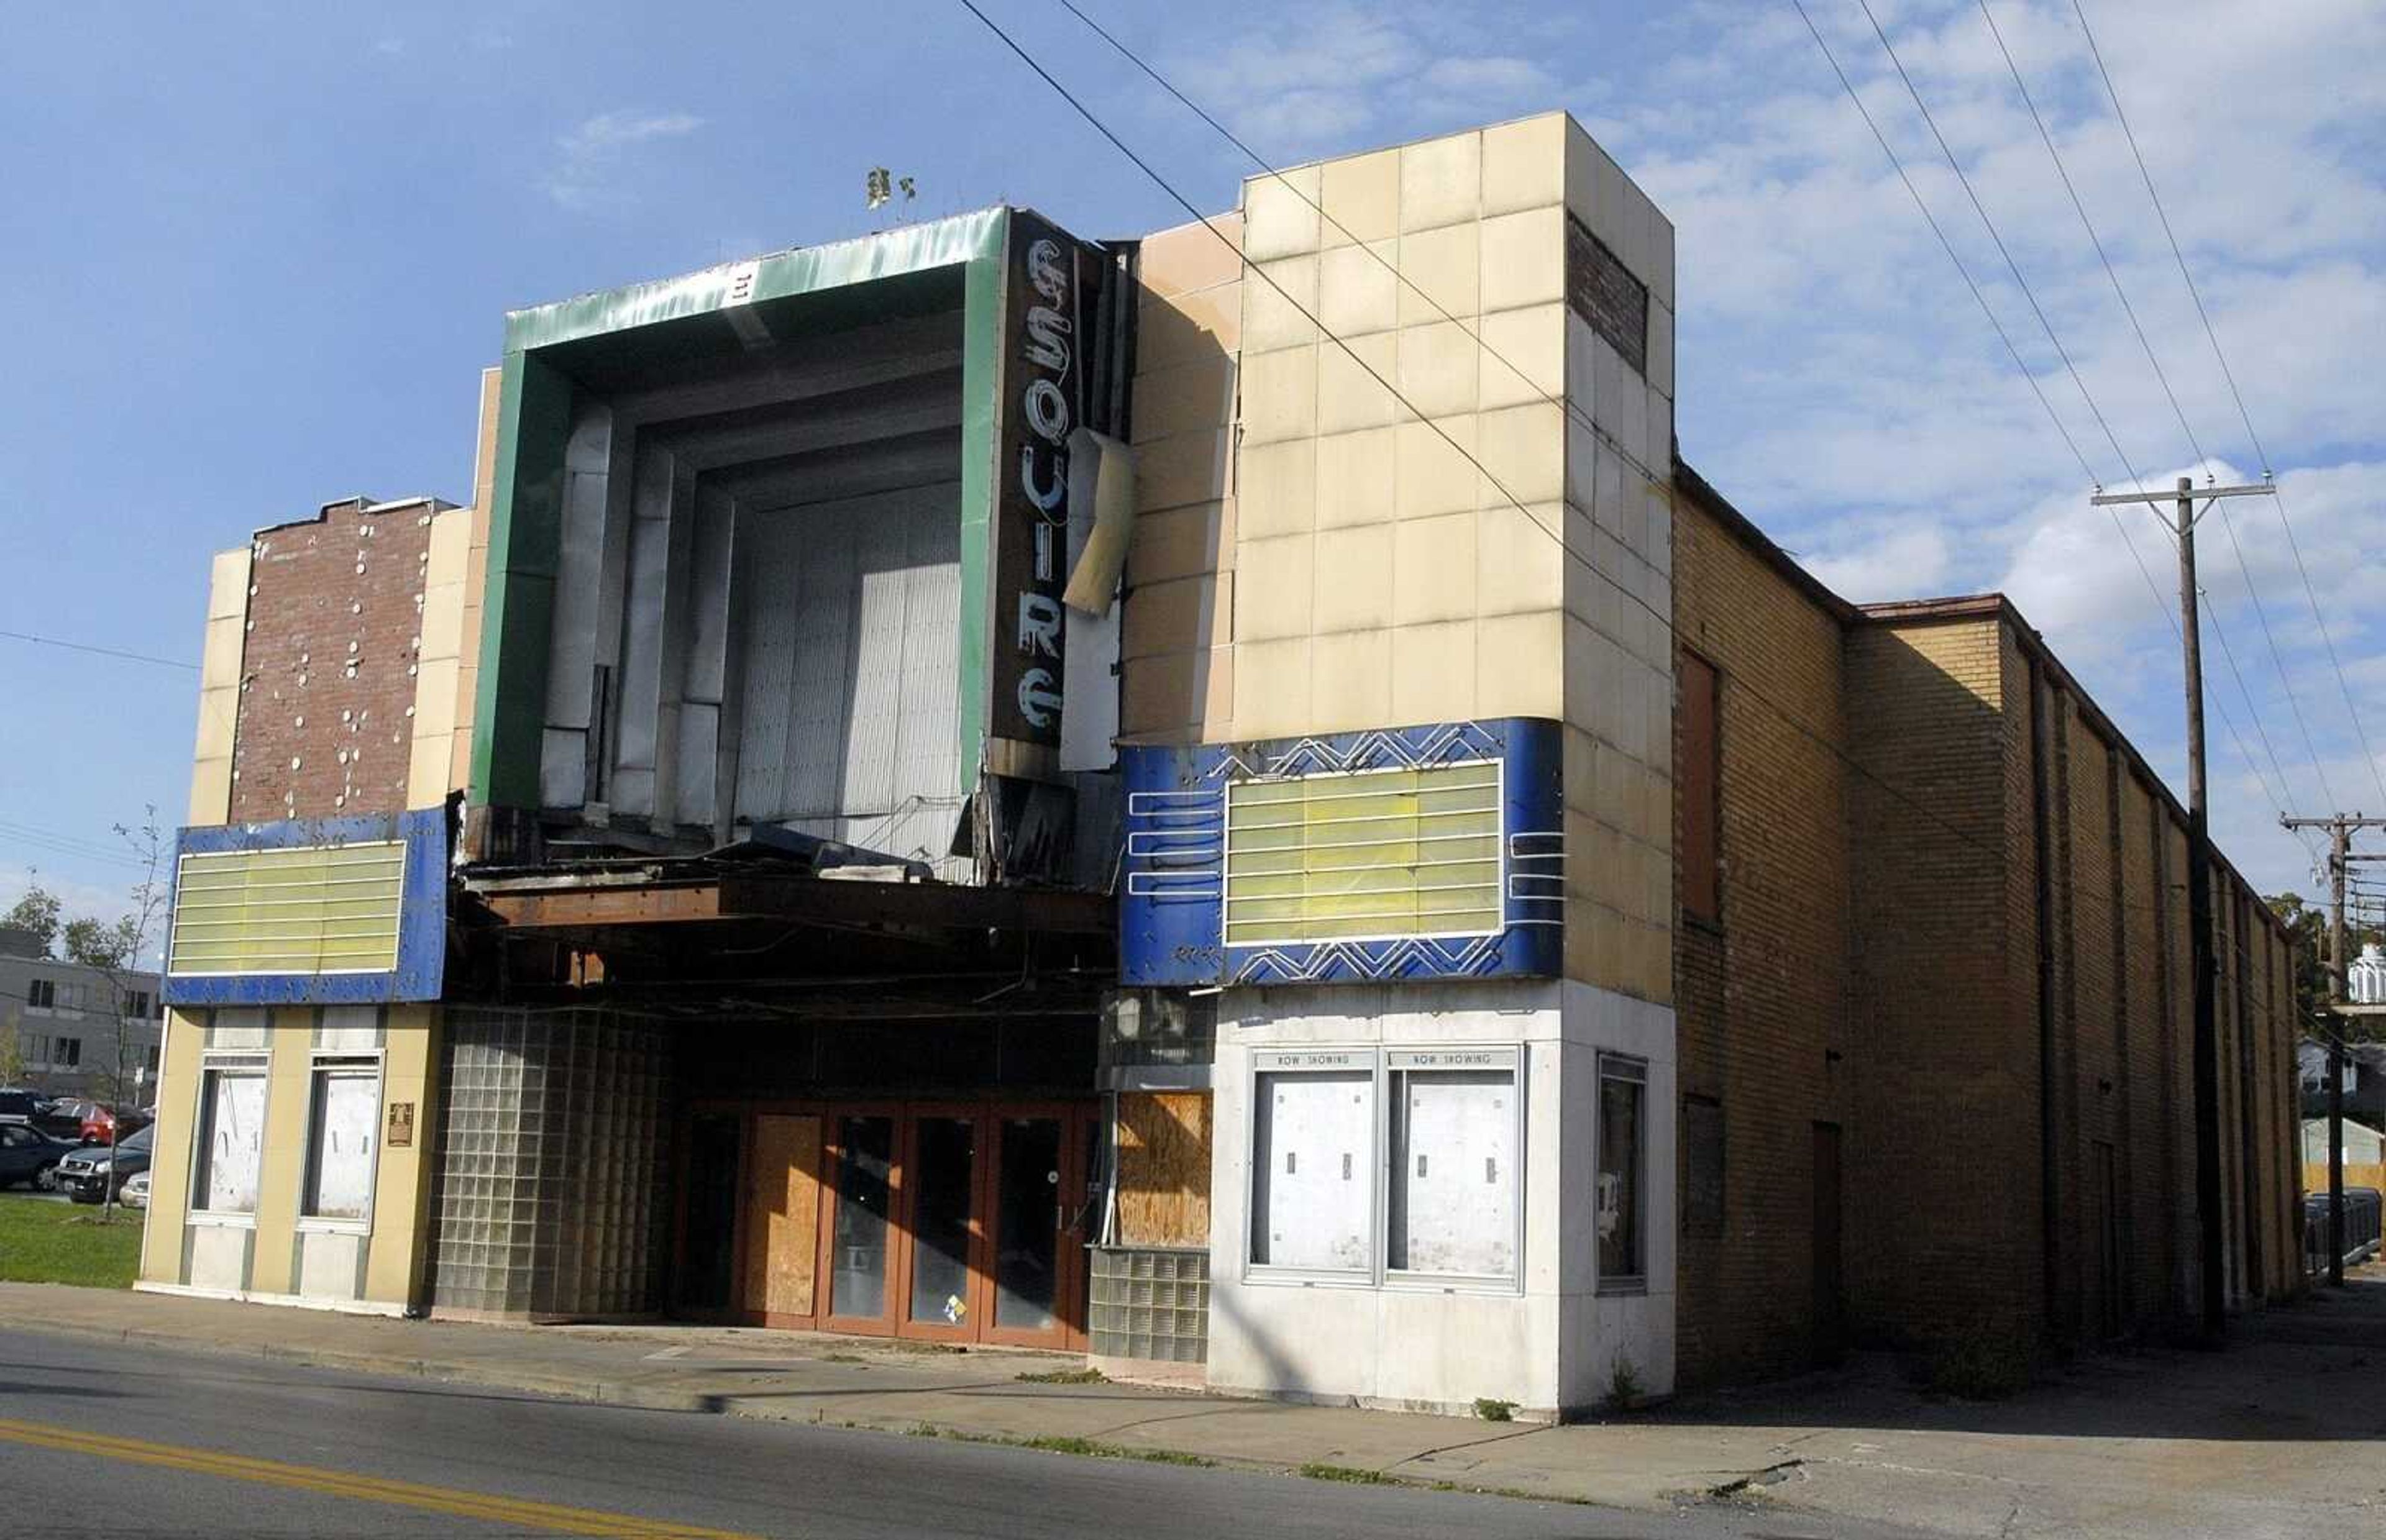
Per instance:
{"type": "Point", "coordinates": [1152, 1303]}
{"type": "Point", "coordinates": [551, 1197]}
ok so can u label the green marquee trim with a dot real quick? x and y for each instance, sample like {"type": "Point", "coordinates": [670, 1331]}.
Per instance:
{"type": "Point", "coordinates": [537, 401]}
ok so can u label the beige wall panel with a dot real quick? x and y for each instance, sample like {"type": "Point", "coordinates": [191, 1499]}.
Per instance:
{"type": "Point", "coordinates": [1275, 597]}
{"type": "Point", "coordinates": [170, 1161]}
{"type": "Point", "coordinates": [1433, 673]}
{"type": "Point", "coordinates": [1191, 257]}
{"type": "Point", "coordinates": [1441, 274]}
{"type": "Point", "coordinates": [401, 1209]}
{"type": "Point", "coordinates": [1354, 386]}
{"type": "Point", "coordinates": [1442, 181]}
{"type": "Point", "coordinates": [1353, 579]}
{"type": "Point", "coordinates": [281, 1166]}
{"type": "Point", "coordinates": [1280, 214]}
{"type": "Point", "coordinates": [1434, 569]}
{"type": "Point", "coordinates": [1193, 396]}
{"type": "Point", "coordinates": [1355, 477]}
{"type": "Point", "coordinates": [1272, 687]}
{"type": "Point", "coordinates": [1279, 300]}
{"type": "Point", "coordinates": [1359, 289]}
{"type": "Point", "coordinates": [1524, 164]}
{"type": "Point", "coordinates": [1434, 470]}
{"type": "Point", "coordinates": [1351, 681]}
{"type": "Point", "coordinates": [1174, 473]}
{"type": "Point", "coordinates": [1361, 198]}
{"type": "Point", "coordinates": [1523, 355]}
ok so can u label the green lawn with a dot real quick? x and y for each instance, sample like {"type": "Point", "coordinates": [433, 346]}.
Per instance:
{"type": "Point", "coordinates": [47, 1242]}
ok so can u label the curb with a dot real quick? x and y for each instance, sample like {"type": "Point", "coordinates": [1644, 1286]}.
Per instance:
{"type": "Point", "coordinates": [599, 1393]}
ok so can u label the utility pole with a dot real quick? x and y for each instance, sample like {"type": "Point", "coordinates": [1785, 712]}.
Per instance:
{"type": "Point", "coordinates": [2205, 969]}
{"type": "Point", "coordinates": [2339, 864]}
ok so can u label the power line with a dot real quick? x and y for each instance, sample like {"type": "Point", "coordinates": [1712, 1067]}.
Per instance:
{"type": "Point", "coordinates": [2218, 632]}
{"type": "Point", "coordinates": [1665, 620]}
{"type": "Point", "coordinates": [2162, 377]}
{"type": "Point", "coordinates": [1898, 165]}
{"type": "Point", "coordinates": [2089, 225]}
{"type": "Point", "coordinates": [2029, 377]}
{"type": "Point", "coordinates": [101, 652]}
{"type": "Point", "coordinates": [2220, 356]}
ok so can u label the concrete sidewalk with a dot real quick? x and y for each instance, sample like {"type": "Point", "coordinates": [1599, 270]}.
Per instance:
{"type": "Point", "coordinates": [2285, 1432]}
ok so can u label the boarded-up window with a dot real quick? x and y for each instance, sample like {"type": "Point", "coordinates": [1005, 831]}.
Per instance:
{"type": "Point", "coordinates": [1312, 1172]}
{"type": "Point", "coordinates": [231, 1138]}
{"type": "Point", "coordinates": [1603, 292]}
{"type": "Point", "coordinates": [340, 1155]}
{"type": "Point", "coordinates": [1699, 785]}
{"type": "Point", "coordinates": [1453, 1178]}
{"type": "Point", "coordinates": [1702, 1167]}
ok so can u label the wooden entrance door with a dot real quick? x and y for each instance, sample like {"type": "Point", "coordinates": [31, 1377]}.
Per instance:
{"type": "Point", "coordinates": [783, 1214]}
{"type": "Point", "coordinates": [947, 1222]}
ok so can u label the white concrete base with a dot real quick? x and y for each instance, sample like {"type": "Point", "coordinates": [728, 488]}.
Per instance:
{"type": "Point", "coordinates": [1551, 1344]}
{"type": "Point", "coordinates": [257, 1296]}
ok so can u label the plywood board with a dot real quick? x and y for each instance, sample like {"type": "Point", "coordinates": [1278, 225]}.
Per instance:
{"type": "Point", "coordinates": [1164, 1162]}
{"type": "Point", "coordinates": [783, 1215]}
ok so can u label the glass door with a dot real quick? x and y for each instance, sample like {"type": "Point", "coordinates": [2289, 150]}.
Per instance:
{"type": "Point", "coordinates": [941, 1182]}
{"type": "Point", "coordinates": [1029, 1212]}
{"type": "Point", "coordinates": [859, 1234]}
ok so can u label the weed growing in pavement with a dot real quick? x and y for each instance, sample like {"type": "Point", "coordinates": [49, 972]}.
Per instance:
{"type": "Point", "coordinates": [1623, 1388]}
{"type": "Point", "coordinates": [1065, 1377]}
{"type": "Point", "coordinates": [1495, 1411]}
{"type": "Point", "coordinates": [1319, 1470]}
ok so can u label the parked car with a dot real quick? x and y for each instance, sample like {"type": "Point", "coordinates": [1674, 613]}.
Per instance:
{"type": "Point", "coordinates": [59, 1120]}
{"type": "Point", "coordinates": [29, 1155]}
{"type": "Point", "coordinates": [101, 1121]}
{"type": "Point", "coordinates": [88, 1174]}
{"type": "Point", "coordinates": [136, 1191]}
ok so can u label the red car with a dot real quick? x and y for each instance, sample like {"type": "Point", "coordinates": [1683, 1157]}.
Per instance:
{"type": "Point", "coordinates": [101, 1122]}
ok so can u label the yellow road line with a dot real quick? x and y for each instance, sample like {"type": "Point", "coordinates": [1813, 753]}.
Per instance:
{"type": "Point", "coordinates": [517, 1511]}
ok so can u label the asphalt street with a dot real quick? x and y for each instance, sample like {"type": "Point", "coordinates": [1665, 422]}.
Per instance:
{"type": "Point", "coordinates": [107, 1439]}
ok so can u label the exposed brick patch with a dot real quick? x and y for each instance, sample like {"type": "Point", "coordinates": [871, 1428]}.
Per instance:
{"type": "Point", "coordinates": [328, 668]}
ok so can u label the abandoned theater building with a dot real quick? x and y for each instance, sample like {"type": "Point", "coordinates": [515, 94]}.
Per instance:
{"type": "Point", "coordinates": [1223, 801]}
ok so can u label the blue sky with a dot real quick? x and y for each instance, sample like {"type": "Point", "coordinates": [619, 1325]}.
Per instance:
{"type": "Point", "coordinates": [259, 252]}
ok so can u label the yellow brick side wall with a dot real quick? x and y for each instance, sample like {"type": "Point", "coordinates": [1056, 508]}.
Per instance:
{"type": "Point", "coordinates": [1760, 997]}
{"type": "Point", "coordinates": [1943, 1023]}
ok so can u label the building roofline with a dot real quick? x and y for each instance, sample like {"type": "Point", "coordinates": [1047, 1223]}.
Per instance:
{"type": "Point", "coordinates": [363, 504]}
{"type": "Point", "coordinates": [1687, 479]}
{"type": "Point", "coordinates": [1949, 609]}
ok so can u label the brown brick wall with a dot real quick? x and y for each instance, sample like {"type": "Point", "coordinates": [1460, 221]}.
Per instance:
{"type": "Point", "coordinates": [328, 664]}
{"type": "Point", "coordinates": [1759, 996]}
{"type": "Point", "coordinates": [1944, 1007]}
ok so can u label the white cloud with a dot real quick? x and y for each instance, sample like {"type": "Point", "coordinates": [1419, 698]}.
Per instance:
{"type": "Point", "coordinates": [593, 155]}
{"type": "Point", "coordinates": [1308, 83]}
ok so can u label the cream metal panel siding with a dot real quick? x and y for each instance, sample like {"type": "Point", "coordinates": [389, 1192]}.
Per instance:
{"type": "Point", "coordinates": [851, 677]}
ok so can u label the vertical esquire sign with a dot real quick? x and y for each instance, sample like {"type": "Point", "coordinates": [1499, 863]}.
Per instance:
{"type": "Point", "coordinates": [1043, 373]}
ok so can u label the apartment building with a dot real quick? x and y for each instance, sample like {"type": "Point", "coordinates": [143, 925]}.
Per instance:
{"type": "Point", "coordinates": [1224, 801]}
{"type": "Point", "coordinates": [78, 1029]}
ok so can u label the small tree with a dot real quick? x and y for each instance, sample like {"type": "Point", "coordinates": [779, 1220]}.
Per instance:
{"type": "Point", "coordinates": [115, 950]}
{"type": "Point", "coordinates": [12, 1055]}
{"type": "Point", "coordinates": [37, 913]}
